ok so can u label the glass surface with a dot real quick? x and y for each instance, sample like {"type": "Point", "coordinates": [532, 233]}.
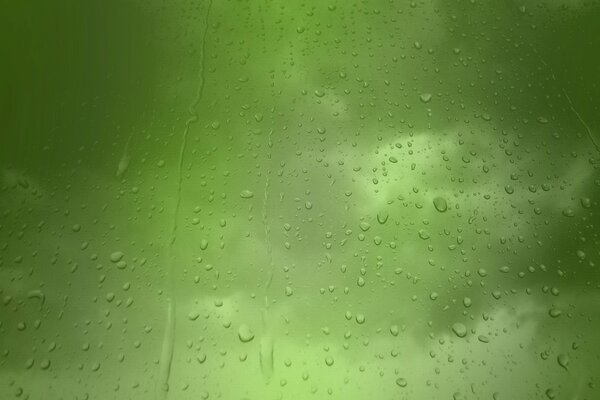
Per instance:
{"type": "Point", "coordinates": [280, 199]}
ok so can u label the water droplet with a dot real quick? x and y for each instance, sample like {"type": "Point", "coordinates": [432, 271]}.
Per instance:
{"type": "Point", "coordinates": [425, 97]}
{"type": "Point", "coordinates": [365, 226]}
{"type": "Point", "coordinates": [116, 256]}
{"type": "Point", "coordinates": [246, 194]}
{"type": "Point", "coordinates": [401, 382]}
{"type": "Point", "coordinates": [467, 302]}
{"type": "Point", "coordinates": [459, 330]}
{"type": "Point", "coordinates": [568, 212]}
{"type": "Point", "coordinates": [440, 204]}
{"type": "Point", "coordinates": [542, 120]}
{"type": "Point", "coordinates": [563, 360]}
{"type": "Point", "coordinates": [586, 202]}
{"type": "Point", "coordinates": [245, 334]}
{"type": "Point", "coordinates": [382, 217]}
{"type": "Point", "coordinates": [554, 313]}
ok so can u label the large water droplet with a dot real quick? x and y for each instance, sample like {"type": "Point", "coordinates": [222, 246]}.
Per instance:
{"type": "Point", "coordinates": [440, 204]}
{"type": "Point", "coordinates": [245, 334]}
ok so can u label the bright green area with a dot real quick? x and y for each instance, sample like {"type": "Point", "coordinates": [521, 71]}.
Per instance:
{"type": "Point", "coordinates": [331, 200]}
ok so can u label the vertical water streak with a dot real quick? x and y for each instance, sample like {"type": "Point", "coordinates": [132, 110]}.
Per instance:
{"type": "Point", "coordinates": [266, 343]}
{"type": "Point", "coordinates": [166, 356]}
{"type": "Point", "coordinates": [125, 159]}
{"type": "Point", "coordinates": [572, 107]}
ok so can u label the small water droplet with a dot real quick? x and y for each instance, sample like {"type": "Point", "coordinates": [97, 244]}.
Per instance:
{"type": "Point", "coordinates": [246, 194]}
{"type": "Point", "coordinates": [382, 217]}
{"type": "Point", "coordinates": [425, 97]}
{"type": "Point", "coordinates": [116, 256]}
{"type": "Point", "coordinates": [365, 226]}
{"type": "Point", "coordinates": [401, 382]}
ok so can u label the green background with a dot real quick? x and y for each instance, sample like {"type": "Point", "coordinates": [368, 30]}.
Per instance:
{"type": "Point", "coordinates": [235, 199]}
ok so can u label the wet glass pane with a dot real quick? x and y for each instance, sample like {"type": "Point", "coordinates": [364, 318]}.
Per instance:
{"type": "Point", "coordinates": [277, 199]}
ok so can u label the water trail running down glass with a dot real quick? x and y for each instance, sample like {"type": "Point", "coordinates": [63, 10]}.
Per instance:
{"type": "Point", "coordinates": [166, 355]}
